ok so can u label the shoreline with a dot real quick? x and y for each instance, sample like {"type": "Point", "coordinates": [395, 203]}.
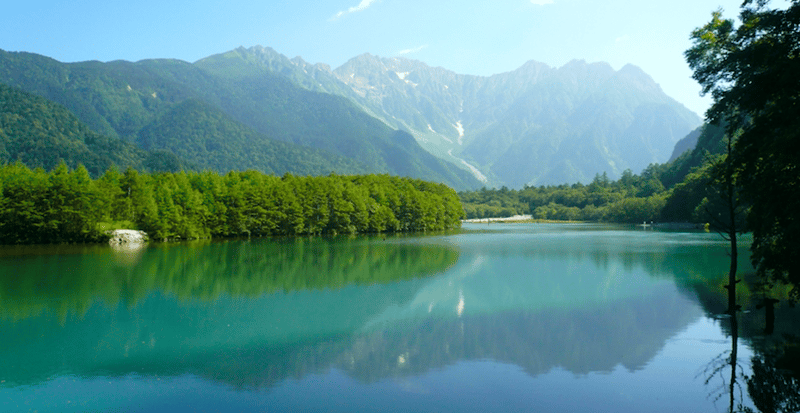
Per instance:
{"type": "Point", "coordinates": [516, 219]}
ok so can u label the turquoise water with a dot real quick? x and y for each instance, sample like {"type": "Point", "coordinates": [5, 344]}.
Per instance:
{"type": "Point", "coordinates": [518, 317]}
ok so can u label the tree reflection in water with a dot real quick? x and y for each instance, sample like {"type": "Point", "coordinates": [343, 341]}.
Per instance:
{"type": "Point", "coordinates": [718, 368]}
{"type": "Point", "coordinates": [773, 384]}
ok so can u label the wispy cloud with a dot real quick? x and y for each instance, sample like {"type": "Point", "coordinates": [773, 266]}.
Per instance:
{"type": "Point", "coordinates": [361, 6]}
{"type": "Point", "coordinates": [412, 50]}
{"type": "Point", "coordinates": [541, 2]}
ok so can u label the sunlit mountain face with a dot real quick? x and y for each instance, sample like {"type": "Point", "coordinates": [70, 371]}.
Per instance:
{"type": "Point", "coordinates": [217, 115]}
{"type": "Point", "coordinates": [534, 125]}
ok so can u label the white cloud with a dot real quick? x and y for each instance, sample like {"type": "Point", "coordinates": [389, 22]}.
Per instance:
{"type": "Point", "coordinates": [361, 6]}
{"type": "Point", "coordinates": [412, 50]}
{"type": "Point", "coordinates": [541, 2]}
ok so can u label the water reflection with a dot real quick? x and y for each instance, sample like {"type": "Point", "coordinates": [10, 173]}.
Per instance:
{"type": "Point", "coordinates": [256, 314]}
{"type": "Point", "coordinates": [626, 333]}
{"type": "Point", "coordinates": [770, 382]}
{"type": "Point", "coordinates": [68, 279]}
{"type": "Point", "coordinates": [774, 385]}
{"type": "Point", "coordinates": [724, 374]}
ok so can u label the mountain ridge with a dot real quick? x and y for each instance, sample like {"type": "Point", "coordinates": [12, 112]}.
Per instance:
{"type": "Point", "coordinates": [533, 125]}
{"type": "Point", "coordinates": [124, 100]}
{"type": "Point", "coordinates": [476, 120]}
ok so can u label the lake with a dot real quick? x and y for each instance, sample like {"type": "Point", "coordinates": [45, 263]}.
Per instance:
{"type": "Point", "coordinates": [501, 317]}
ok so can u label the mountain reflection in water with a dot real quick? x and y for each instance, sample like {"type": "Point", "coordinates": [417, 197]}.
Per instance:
{"type": "Point", "coordinates": [260, 315]}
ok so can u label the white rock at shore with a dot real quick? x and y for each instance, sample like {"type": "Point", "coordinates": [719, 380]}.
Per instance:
{"type": "Point", "coordinates": [127, 236]}
{"type": "Point", "coordinates": [515, 218]}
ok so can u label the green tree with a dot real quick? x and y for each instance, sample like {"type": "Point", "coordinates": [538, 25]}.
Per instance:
{"type": "Point", "coordinates": [112, 201]}
{"type": "Point", "coordinates": [212, 190]}
{"type": "Point", "coordinates": [724, 208]}
{"type": "Point", "coordinates": [23, 214]}
{"type": "Point", "coordinates": [313, 201]}
{"type": "Point", "coordinates": [750, 69]}
{"type": "Point", "coordinates": [140, 202]}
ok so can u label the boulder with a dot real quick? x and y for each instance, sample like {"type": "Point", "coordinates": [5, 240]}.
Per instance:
{"type": "Point", "coordinates": [128, 237]}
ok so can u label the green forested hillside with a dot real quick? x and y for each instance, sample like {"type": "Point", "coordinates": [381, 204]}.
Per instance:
{"type": "Point", "coordinates": [687, 143]}
{"type": "Point", "coordinates": [191, 129]}
{"type": "Point", "coordinates": [132, 101]}
{"type": "Point", "coordinates": [710, 141]}
{"type": "Point", "coordinates": [688, 176]}
{"type": "Point", "coordinates": [41, 133]}
{"type": "Point", "coordinates": [271, 104]}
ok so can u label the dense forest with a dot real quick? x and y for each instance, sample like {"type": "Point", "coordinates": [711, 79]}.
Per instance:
{"type": "Point", "coordinates": [66, 205]}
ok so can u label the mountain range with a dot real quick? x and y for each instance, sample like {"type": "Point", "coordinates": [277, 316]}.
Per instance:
{"type": "Point", "coordinates": [219, 118]}
{"type": "Point", "coordinates": [257, 109]}
{"type": "Point", "coordinates": [535, 125]}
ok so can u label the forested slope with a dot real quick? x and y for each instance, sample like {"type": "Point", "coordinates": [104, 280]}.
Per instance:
{"type": "Point", "coordinates": [41, 133]}
{"type": "Point", "coordinates": [134, 101]}
{"type": "Point", "coordinates": [190, 129]}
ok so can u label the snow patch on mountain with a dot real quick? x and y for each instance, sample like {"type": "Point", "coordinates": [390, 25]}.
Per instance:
{"type": "Point", "coordinates": [460, 128]}
{"type": "Point", "coordinates": [430, 128]}
{"type": "Point", "coordinates": [402, 76]}
{"type": "Point", "coordinates": [475, 172]}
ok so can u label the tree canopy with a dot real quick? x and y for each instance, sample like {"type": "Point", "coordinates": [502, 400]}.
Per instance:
{"type": "Point", "coordinates": [69, 206]}
{"type": "Point", "coordinates": [751, 68]}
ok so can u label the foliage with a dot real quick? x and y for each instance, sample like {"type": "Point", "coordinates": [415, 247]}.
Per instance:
{"type": "Point", "coordinates": [39, 207]}
{"type": "Point", "coordinates": [67, 206]}
{"type": "Point", "coordinates": [750, 70]}
{"type": "Point", "coordinates": [687, 196]}
{"type": "Point", "coordinates": [710, 142]}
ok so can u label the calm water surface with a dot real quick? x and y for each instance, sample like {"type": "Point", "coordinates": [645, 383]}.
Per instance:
{"type": "Point", "coordinates": [520, 317]}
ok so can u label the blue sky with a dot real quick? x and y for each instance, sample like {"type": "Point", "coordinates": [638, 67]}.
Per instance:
{"type": "Point", "coordinates": [468, 37]}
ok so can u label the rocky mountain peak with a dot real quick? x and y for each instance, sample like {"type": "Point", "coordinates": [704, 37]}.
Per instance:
{"type": "Point", "coordinates": [533, 125]}
{"type": "Point", "coordinates": [635, 75]}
